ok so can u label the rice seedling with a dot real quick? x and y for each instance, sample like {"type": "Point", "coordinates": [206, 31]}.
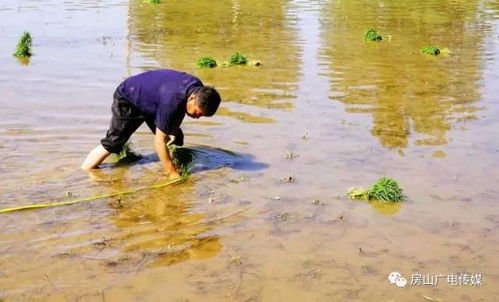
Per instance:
{"type": "Point", "coordinates": [236, 260]}
{"type": "Point", "coordinates": [338, 219]}
{"type": "Point", "coordinates": [308, 214]}
{"type": "Point", "coordinates": [290, 155]}
{"type": "Point", "coordinates": [255, 63]}
{"type": "Point", "coordinates": [430, 50]}
{"type": "Point", "coordinates": [183, 159]}
{"type": "Point", "coordinates": [238, 59]}
{"type": "Point", "coordinates": [373, 35]}
{"type": "Point", "coordinates": [385, 189]}
{"type": "Point", "coordinates": [318, 202]}
{"type": "Point", "coordinates": [154, 1]}
{"type": "Point", "coordinates": [288, 180]}
{"type": "Point", "coordinates": [23, 48]}
{"type": "Point", "coordinates": [282, 216]}
{"type": "Point", "coordinates": [126, 155]}
{"type": "Point", "coordinates": [207, 62]}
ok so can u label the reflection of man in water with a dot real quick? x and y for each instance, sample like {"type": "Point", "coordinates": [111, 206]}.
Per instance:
{"type": "Point", "coordinates": [161, 98]}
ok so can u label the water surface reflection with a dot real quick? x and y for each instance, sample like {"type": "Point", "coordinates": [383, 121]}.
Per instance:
{"type": "Point", "coordinates": [412, 98]}
{"type": "Point", "coordinates": [175, 35]}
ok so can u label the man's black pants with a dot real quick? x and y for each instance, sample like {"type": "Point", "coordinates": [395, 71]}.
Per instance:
{"type": "Point", "coordinates": [126, 118]}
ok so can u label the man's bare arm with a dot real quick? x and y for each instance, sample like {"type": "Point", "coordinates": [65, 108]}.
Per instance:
{"type": "Point", "coordinates": [160, 140]}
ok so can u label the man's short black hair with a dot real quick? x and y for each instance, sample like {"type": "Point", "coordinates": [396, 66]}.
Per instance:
{"type": "Point", "coordinates": [208, 99]}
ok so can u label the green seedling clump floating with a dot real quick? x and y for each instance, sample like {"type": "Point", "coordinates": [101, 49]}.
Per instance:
{"type": "Point", "coordinates": [373, 35]}
{"type": "Point", "coordinates": [207, 62]}
{"type": "Point", "coordinates": [238, 59]}
{"type": "Point", "coordinates": [385, 189]}
{"type": "Point", "coordinates": [430, 50]}
{"type": "Point", "coordinates": [23, 49]}
{"type": "Point", "coordinates": [154, 1]}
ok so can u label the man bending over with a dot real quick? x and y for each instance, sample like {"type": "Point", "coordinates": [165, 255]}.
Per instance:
{"type": "Point", "coordinates": [161, 98]}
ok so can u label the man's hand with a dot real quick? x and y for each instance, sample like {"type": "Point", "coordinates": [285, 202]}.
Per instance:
{"type": "Point", "coordinates": [172, 172]}
{"type": "Point", "coordinates": [160, 141]}
{"type": "Point", "coordinates": [174, 175]}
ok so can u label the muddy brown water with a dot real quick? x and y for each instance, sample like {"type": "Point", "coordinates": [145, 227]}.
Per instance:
{"type": "Point", "coordinates": [352, 112]}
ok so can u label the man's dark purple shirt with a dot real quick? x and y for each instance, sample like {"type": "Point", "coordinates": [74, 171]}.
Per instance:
{"type": "Point", "coordinates": [160, 94]}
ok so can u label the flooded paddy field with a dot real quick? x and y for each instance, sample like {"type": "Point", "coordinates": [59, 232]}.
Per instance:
{"type": "Point", "coordinates": [266, 216]}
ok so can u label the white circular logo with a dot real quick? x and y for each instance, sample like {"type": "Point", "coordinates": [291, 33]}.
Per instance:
{"type": "Point", "coordinates": [393, 276]}
{"type": "Point", "coordinates": [401, 282]}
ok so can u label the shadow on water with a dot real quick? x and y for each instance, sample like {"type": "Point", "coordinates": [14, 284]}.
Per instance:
{"type": "Point", "coordinates": [206, 158]}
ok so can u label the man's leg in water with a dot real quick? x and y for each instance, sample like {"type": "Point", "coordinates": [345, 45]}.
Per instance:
{"type": "Point", "coordinates": [95, 158]}
{"type": "Point", "coordinates": [126, 118]}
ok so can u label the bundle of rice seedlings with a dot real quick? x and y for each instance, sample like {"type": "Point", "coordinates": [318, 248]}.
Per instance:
{"type": "Point", "coordinates": [373, 35]}
{"type": "Point", "coordinates": [126, 155]}
{"type": "Point", "coordinates": [385, 189]}
{"type": "Point", "coordinates": [154, 1]}
{"type": "Point", "coordinates": [23, 48]}
{"type": "Point", "coordinates": [207, 62]}
{"type": "Point", "coordinates": [238, 59]}
{"type": "Point", "coordinates": [182, 158]}
{"type": "Point", "coordinates": [430, 50]}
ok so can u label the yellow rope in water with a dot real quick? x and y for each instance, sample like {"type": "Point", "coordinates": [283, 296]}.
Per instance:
{"type": "Point", "coordinates": [70, 202]}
